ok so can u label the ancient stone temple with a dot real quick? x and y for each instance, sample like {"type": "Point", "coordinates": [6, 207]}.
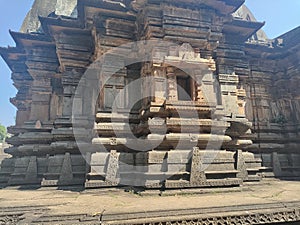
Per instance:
{"type": "Point", "coordinates": [151, 93]}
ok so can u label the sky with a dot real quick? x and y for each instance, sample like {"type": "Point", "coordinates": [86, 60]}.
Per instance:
{"type": "Point", "coordinates": [280, 16]}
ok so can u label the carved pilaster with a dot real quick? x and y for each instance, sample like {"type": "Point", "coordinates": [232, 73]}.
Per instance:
{"type": "Point", "coordinates": [41, 94]}
{"type": "Point", "coordinates": [276, 164]}
{"type": "Point", "coordinates": [113, 169]}
{"type": "Point", "coordinates": [197, 177]}
{"type": "Point", "coordinates": [160, 84]}
{"type": "Point", "coordinates": [172, 84]}
{"type": "Point", "coordinates": [241, 165]}
{"type": "Point", "coordinates": [228, 87]}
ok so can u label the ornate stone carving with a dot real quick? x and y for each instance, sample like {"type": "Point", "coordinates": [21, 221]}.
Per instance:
{"type": "Point", "coordinates": [197, 173]}
{"type": "Point", "coordinates": [113, 169]}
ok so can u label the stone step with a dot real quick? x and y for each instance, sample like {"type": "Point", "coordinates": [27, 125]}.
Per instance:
{"type": "Point", "coordinates": [58, 174]}
{"type": "Point", "coordinates": [221, 172]}
{"type": "Point", "coordinates": [96, 174]}
{"type": "Point", "coordinates": [98, 184]}
{"type": "Point", "coordinates": [165, 174]}
{"type": "Point", "coordinates": [266, 168]}
{"type": "Point", "coordinates": [51, 183]}
{"type": "Point", "coordinates": [268, 174]}
{"type": "Point", "coordinates": [5, 173]}
{"type": "Point", "coordinates": [51, 174]}
{"type": "Point", "coordinates": [252, 170]}
{"type": "Point", "coordinates": [253, 161]}
{"type": "Point", "coordinates": [18, 174]}
{"type": "Point", "coordinates": [253, 178]}
{"type": "Point", "coordinates": [4, 179]}
{"type": "Point", "coordinates": [207, 183]}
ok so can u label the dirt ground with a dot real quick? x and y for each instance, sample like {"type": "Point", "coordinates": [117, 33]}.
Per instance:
{"type": "Point", "coordinates": [119, 201]}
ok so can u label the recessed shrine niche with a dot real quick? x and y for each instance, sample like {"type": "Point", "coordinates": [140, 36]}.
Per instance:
{"type": "Point", "coordinates": [190, 78]}
{"type": "Point", "coordinates": [120, 91]}
{"type": "Point", "coordinates": [185, 87]}
{"type": "Point", "coordinates": [196, 85]}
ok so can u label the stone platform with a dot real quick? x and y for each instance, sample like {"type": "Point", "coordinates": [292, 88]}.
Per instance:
{"type": "Point", "coordinates": [271, 201]}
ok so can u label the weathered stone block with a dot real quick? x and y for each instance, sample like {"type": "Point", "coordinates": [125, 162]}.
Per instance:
{"type": "Point", "coordinates": [157, 157]}
{"type": "Point", "coordinates": [98, 169]}
{"type": "Point", "coordinates": [99, 158]}
{"type": "Point", "coordinates": [180, 157]}
{"type": "Point", "coordinates": [176, 168]}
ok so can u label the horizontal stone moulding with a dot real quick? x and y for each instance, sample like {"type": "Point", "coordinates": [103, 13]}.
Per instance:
{"type": "Point", "coordinates": [113, 127]}
{"type": "Point", "coordinates": [197, 137]}
{"type": "Point", "coordinates": [115, 117]}
{"type": "Point", "coordinates": [190, 103]}
{"type": "Point", "coordinates": [196, 122]}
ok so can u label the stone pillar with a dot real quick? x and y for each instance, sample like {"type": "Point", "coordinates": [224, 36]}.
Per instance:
{"type": "Point", "coordinates": [56, 103]}
{"type": "Point", "coordinates": [160, 84]}
{"type": "Point", "coordinates": [69, 91]}
{"type": "Point", "coordinates": [228, 84]}
{"type": "Point", "coordinates": [276, 165]}
{"type": "Point", "coordinates": [172, 84]}
{"type": "Point", "coordinates": [241, 95]}
{"type": "Point", "coordinates": [205, 90]}
{"type": "Point", "coordinates": [23, 115]}
{"type": "Point", "coordinates": [41, 93]}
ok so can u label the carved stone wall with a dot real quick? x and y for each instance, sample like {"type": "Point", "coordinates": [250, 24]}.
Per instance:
{"type": "Point", "coordinates": [207, 91]}
{"type": "Point", "coordinates": [273, 101]}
